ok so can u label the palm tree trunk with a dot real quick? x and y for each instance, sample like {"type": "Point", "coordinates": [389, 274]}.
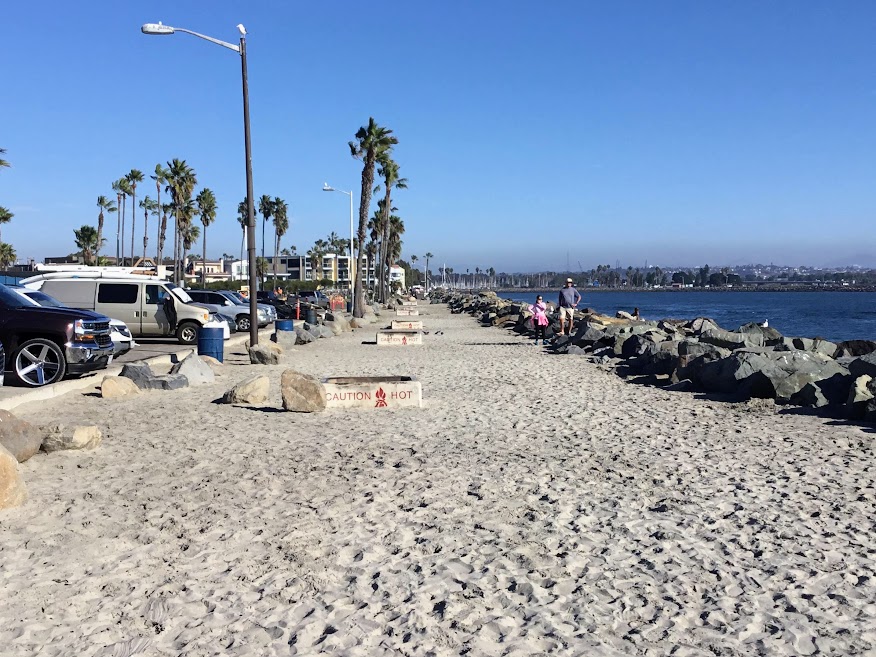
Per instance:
{"type": "Point", "coordinates": [158, 242]}
{"type": "Point", "coordinates": [145, 231]}
{"type": "Point", "coordinates": [124, 209]}
{"type": "Point", "coordinates": [204, 260]}
{"type": "Point", "coordinates": [261, 281]}
{"type": "Point", "coordinates": [176, 248]}
{"type": "Point", "coordinates": [133, 219]}
{"type": "Point", "coordinates": [99, 235]}
{"type": "Point", "coordinates": [242, 240]}
{"type": "Point", "coordinates": [276, 253]}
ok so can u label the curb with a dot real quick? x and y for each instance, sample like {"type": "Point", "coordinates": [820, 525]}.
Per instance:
{"type": "Point", "coordinates": [92, 380]}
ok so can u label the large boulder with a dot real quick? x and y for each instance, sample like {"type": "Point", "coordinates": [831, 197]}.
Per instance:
{"type": "Point", "coordinates": [20, 438]}
{"type": "Point", "coordinates": [588, 336]}
{"type": "Point", "coordinates": [334, 327]}
{"type": "Point", "coordinates": [13, 492]}
{"type": "Point", "coordinates": [854, 348]}
{"type": "Point", "coordinates": [767, 335]}
{"type": "Point", "coordinates": [701, 324]}
{"type": "Point", "coordinates": [862, 365]}
{"type": "Point", "coordinates": [58, 437]}
{"type": "Point", "coordinates": [115, 387]}
{"type": "Point", "coordinates": [731, 339]}
{"type": "Point", "coordinates": [819, 345]}
{"type": "Point", "coordinates": [303, 336]}
{"type": "Point", "coordinates": [286, 339]}
{"type": "Point", "coordinates": [637, 345]}
{"type": "Point", "coordinates": [194, 369]}
{"type": "Point", "coordinates": [860, 398]}
{"type": "Point", "coordinates": [145, 379]}
{"type": "Point", "coordinates": [340, 319]}
{"type": "Point", "coordinates": [301, 393]}
{"type": "Point", "coordinates": [833, 391]}
{"type": "Point", "coordinates": [654, 362]}
{"type": "Point", "coordinates": [254, 390]}
{"type": "Point", "coordinates": [744, 373]}
{"type": "Point", "coordinates": [265, 354]}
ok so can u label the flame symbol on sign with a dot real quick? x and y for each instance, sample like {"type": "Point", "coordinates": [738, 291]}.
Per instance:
{"type": "Point", "coordinates": [381, 398]}
{"type": "Point", "coordinates": [404, 339]}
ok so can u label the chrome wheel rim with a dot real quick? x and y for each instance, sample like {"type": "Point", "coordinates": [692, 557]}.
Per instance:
{"type": "Point", "coordinates": [37, 364]}
{"type": "Point", "coordinates": [189, 334]}
{"type": "Point", "coordinates": [243, 324]}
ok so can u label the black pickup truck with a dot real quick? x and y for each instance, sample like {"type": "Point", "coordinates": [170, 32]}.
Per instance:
{"type": "Point", "coordinates": [43, 344]}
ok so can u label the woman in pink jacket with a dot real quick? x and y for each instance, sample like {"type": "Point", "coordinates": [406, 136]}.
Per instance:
{"type": "Point", "coordinates": [539, 318]}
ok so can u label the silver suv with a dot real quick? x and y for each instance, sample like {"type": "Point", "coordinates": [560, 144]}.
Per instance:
{"type": "Point", "coordinates": [230, 305]}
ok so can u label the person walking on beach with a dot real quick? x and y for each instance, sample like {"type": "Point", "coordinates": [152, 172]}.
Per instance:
{"type": "Point", "coordinates": [569, 300]}
{"type": "Point", "coordinates": [539, 318]}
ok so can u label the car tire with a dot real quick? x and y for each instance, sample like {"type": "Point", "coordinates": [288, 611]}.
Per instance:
{"type": "Point", "coordinates": [39, 362]}
{"type": "Point", "coordinates": [187, 332]}
{"type": "Point", "coordinates": [243, 322]}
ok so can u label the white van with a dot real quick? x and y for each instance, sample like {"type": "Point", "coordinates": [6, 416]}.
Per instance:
{"type": "Point", "coordinates": [138, 301]}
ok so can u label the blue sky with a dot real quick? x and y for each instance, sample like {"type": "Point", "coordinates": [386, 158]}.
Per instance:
{"type": "Point", "coordinates": [531, 133]}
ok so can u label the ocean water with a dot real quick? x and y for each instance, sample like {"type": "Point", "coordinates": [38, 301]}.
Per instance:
{"type": "Point", "coordinates": [834, 316]}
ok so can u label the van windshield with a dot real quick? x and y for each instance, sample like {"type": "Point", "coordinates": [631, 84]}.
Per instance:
{"type": "Point", "coordinates": [179, 293]}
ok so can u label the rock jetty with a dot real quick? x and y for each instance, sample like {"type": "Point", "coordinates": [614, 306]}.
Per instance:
{"type": "Point", "coordinates": [751, 361]}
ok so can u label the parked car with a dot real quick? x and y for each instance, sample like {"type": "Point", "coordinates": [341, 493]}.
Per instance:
{"type": "Point", "coordinates": [139, 301]}
{"type": "Point", "coordinates": [230, 305]}
{"type": "Point", "coordinates": [43, 345]}
{"type": "Point", "coordinates": [284, 309]}
{"type": "Point", "coordinates": [123, 342]}
{"type": "Point", "coordinates": [315, 298]}
{"type": "Point", "coordinates": [239, 298]}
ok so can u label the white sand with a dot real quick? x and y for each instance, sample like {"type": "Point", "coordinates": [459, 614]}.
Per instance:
{"type": "Point", "coordinates": [537, 505]}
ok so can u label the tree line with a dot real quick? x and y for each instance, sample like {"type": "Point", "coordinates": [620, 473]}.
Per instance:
{"type": "Point", "coordinates": [7, 253]}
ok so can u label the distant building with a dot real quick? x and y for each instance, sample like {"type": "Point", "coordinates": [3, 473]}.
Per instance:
{"type": "Point", "coordinates": [396, 276]}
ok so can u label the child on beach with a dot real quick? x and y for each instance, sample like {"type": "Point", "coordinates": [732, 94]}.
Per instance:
{"type": "Point", "coordinates": [539, 318]}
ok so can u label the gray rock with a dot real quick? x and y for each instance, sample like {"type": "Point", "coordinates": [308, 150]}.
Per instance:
{"type": "Point", "coordinates": [702, 324]}
{"type": "Point", "coordinates": [832, 391]}
{"type": "Point", "coordinates": [744, 373]}
{"type": "Point", "coordinates": [768, 336]}
{"type": "Point", "coordinates": [854, 348]}
{"type": "Point", "coordinates": [301, 393]}
{"type": "Point", "coordinates": [658, 362]}
{"type": "Point", "coordinates": [145, 379]}
{"type": "Point", "coordinates": [861, 396]}
{"type": "Point", "coordinates": [685, 385]}
{"type": "Point", "coordinates": [862, 365]}
{"type": "Point", "coordinates": [334, 327]}
{"type": "Point", "coordinates": [140, 373]}
{"type": "Point", "coordinates": [263, 354]}
{"type": "Point", "coordinates": [286, 339]}
{"type": "Point", "coordinates": [13, 492]}
{"type": "Point", "coordinates": [587, 335]}
{"type": "Point", "coordinates": [57, 437]}
{"type": "Point", "coordinates": [19, 438]}
{"type": "Point", "coordinates": [340, 319]}
{"type": "Point", "coordinates": [254, 390]}
{"type": "Point", "coordinates": [731, 339]}
{"type": "Point", "coordinates": [575, 350]}
{"type": "Point", "coordinates": [812, 344]}
{"type": "Point", "coordinates": [303, 336]}
{"type": "Point", "coordinates": [194, 369]}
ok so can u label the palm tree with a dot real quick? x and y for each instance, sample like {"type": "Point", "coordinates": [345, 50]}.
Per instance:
{"type": "Point", "coordinates": [148, 206]}
{"type": "Point", "coordinates": [86, 240]}
{"type": "Point", "coordinates": [372, 141]}
{"type": "Point", "coordinates": [160, 178]}
{"type": "Point", "coordinates": [120, 187]}
{"type": "Point", "coordinates": [166, 208]}
{"type": "Point", "coordinates": [7, 255]}
{"type": "Point", "coordinates": [426, 270]}
{"type": "Point", "coordinates": [6, 216]}
{"type": "Point", "coordinates": [134, 177]}
{"type": "Point", "coordinates": [243, 220]}
{"type": "Point", "coordinates": [103, 203]}
{"type": "Point", "coordinates": [414, 268]}
{"type": "Point", "coordinates": [389, 171]}
{"type": "Point", "coordinates": [207, 209]}
{"type": "Point", "coordinates": [181, 181]}
{"type": "Point", "coordinates": [394, 244]}
{"type": "Point", "coordinates": [188, 232]}
{"type": "Point", "coordinates": [3, 163]}
{"type": "Point", "coordinates": [266, 207]}
{"type": "Point", "coordinates": [281, 225]}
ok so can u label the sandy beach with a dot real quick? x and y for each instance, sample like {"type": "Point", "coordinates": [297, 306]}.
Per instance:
{"type": "Point", "coordinates": [536, 505]}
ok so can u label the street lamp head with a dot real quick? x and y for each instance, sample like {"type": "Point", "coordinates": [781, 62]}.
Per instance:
{"type": "Point", "coordinates": [327, 188]}
{"type": "Point", "coordinates": [241, 29]}
{"type": "Point", "coordinates": [156, 28]}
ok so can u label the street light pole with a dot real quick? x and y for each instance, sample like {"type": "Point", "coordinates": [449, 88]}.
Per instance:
{"type": "Point", "coordinates": [352, 266]}
{"type": "Point", "coordinates": [160, 29]}
{"type": "Point", "coordinates": [250, 204]}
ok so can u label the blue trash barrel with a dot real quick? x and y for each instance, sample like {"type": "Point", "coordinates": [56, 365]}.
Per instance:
{"type": "Point", "coordinates": [211, 343]}
{"type": "Point", "coordinates": [284, 325]}
{"type": "Point", "coordinates": [311, 315]}
{"type": "Point", "coordinates": [350, 306]}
